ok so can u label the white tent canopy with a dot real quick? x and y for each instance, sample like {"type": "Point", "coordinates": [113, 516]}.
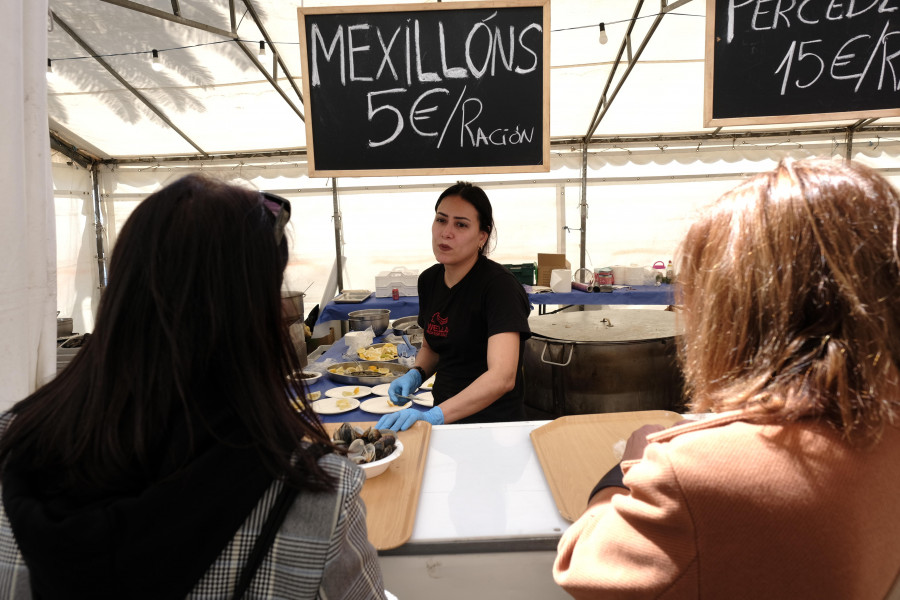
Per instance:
{"type": "Point", "coordinates": [620, 193]}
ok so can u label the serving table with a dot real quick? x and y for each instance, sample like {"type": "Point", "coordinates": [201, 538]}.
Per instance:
{"type": "Point", "coordinates": [486, 523]}
{"type": "Point", "coordinates": [336, 354]}
{"type": "Point", "coordinates": [407, 306]}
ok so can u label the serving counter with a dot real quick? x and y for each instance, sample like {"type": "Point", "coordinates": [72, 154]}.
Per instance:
{"type": "Point", "coordinates": [486, 524]}
{"type": "Point", "coordinates": [407, 306]}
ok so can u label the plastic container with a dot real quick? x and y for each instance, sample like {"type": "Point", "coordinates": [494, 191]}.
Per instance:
{"type": "Point", "coordinates": [523, 272]}
{"type": "Point", "coordinates": [604, 276]}
{"type": "Point", "coordinates": [659, 272]}
{"type": "Point", "coordinates": [404, 280]}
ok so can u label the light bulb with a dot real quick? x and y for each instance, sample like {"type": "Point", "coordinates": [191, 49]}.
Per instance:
{"type": "Point", "coordinates": [603, 37]}
{"type": "Point", "coordinates": [51, 76]}
{"type": "Point", "coordinates": [262, 48]}
{"type": "Point", "coordinates": [154, 62]}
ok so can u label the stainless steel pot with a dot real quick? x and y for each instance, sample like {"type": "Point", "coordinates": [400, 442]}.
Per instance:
{"type": "Point", "coordinates": [601, 361]}
{"type": "Point", "coordinates": [395, 370]}
{"type": "Point", "coordinates": [292, 306]}
{"type": "Point", "coordinates": [63, 327]}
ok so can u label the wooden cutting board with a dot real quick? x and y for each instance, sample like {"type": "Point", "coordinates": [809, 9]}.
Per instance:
{"type": "Point", "coordinates": [392, 497]}
{"type": "Point", "coordinates": [577, 450]}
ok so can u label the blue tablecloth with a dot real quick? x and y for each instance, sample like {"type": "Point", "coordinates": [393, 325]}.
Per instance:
{"type": "Point", "coordinates": [409, 305]}
{"type": "Point", "coordinates": [405, 306]}
{"type": "Point", "coordinates": [336, 353]}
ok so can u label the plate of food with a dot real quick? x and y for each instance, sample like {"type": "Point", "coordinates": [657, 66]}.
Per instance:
{"type": "Point", "coordinates": [334, 406]}
{"type": "Point", "coordinates": [308, 377]}
{"type": "Point", "coordinates": [424, 399]}
{"type": "Point", "coordinates": [349, 391]}
{"type": "Point", "coordinates": [383, 352]}
{"type": "Point", "coordinates": [382, 405]}
{"type": "Point", "coordinates": [366, 372]}
{"type": "Point", "coordinates": [381, 389]}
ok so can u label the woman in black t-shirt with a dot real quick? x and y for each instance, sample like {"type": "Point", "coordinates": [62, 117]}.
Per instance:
{"type": "Point", "coordinates": [475, 316]}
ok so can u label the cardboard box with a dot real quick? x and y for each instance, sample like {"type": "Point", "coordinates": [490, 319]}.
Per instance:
{"type": "Point", "coordinates": [546, 264]}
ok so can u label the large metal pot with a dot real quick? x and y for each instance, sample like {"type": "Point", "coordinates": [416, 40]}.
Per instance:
{"type": "Point", "coordinates": [601, 361]}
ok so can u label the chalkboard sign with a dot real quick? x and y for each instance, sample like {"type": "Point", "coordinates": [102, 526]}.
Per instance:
{"type": "Point", "coordinates": [427, 88]}
{"type": "Point", "coordinates": [800, 60]}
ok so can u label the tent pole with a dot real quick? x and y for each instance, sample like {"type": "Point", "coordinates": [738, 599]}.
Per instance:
{"type": "Point", "coordinates": [584, 154]}
{"type": "Point", "coordinates": [98, 226]}
{"type": "Point", "coordinates": [338, 236]}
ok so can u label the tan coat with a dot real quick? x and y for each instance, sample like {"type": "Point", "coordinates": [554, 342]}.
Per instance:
{"type": "Point", "coordinates": [727, 510]}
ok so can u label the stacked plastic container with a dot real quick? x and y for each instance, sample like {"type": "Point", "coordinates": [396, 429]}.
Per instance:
{"type": "Point", "coordinates": [404, 280]}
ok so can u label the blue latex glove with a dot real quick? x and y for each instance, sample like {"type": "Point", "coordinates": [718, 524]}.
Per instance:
{"type": "Point", "coordinates": [403, 419]}
{"type": "Point", "coordinates": [404, 386]}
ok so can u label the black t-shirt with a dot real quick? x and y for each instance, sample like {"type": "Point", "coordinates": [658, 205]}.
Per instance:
{"type": "Point", "coordinates": [458, 322]}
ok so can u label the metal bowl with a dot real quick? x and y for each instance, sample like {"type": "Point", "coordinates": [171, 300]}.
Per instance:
{"type": "Point", "coordinates": [395, 370]}
{"type": "Point", "coordinates": [407, 325]}
{"type": "Point", "coordinates": [376, 318]}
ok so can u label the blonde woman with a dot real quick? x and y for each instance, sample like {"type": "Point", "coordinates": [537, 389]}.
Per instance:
{"type": "Point", "coordinates": [791, 293]}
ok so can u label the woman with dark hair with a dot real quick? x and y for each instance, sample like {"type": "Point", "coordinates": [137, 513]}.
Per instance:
{"type": "Point", "coordinates": [790, 288]}
{"type": "Point", "coordinates": [167, 460]}
{"type": "Point", "coordinates": [475, 316]}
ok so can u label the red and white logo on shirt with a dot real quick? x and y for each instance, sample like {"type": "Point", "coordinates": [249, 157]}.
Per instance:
{"type": "Point", "coordinates": [438, 325]}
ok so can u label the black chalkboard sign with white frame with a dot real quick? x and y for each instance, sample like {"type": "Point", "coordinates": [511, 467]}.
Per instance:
{"type": "Point", "coordinates": [410, 89]}
{"type": "Point", "coordinates": [801, 60]}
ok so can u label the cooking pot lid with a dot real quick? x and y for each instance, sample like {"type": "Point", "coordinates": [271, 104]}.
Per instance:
{"type": "Point", "coordinates": [615, 325]}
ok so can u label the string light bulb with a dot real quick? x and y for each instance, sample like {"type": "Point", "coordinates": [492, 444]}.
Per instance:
{"type": "Point", "coordinates": [262, 48]}
{"type": "Point", "coordinates": [154, 62]}
{"type": "Point", "coordinates": [51, 76]}
{"type": "Point", "coordinates": [603, 37]}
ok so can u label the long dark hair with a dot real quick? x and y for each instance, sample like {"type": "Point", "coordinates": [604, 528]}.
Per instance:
{"type": "Point", "coordinates": [190, 327]}
{"type": "Point", "coordinates": [477, 197]}
{"type": "Point", "coordinates": [790, 287]}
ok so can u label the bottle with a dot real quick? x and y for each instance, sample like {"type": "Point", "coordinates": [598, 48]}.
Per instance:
{"type": "Point", "coordinates": [659, 272]}
{"type": "Point", "coordinates": [395, 294]}
{"type": "Point", "coordinates": [670, 273]}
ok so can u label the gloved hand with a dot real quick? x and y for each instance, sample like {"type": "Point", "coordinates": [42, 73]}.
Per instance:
{"type": "Point", "coordinates": [404, 386]}
{"type": "Point", "coordinates": [403, 419]}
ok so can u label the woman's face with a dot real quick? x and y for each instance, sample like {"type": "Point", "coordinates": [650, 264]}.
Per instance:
{"type": "Point", "coordinates": [456, 233]}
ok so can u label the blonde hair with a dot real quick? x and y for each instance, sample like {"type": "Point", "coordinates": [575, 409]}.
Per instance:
{"type": "Point", "coordinates": [791, 293]}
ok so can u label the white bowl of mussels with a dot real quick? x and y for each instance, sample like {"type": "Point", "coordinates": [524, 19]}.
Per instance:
{"type": "Point", "coordinates": [377, 467]}
{"type": "Point", "coordinates": [372, 449]}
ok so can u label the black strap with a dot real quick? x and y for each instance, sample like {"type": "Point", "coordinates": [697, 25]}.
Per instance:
{"type": "Point", "coordinates": [265, 538]}
{"type": "Point", "coordinates": [613, 478]}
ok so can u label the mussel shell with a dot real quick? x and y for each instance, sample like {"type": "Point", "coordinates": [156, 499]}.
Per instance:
{"type": "Point", "coordinates": [372, 435]}
{"type": "Point", "coordinates": [369, 452]}
{"type": "Point", "coordinates": [343, 433]}
{"type": "Point", "coordinates": [356, 448]}
{"type": "Point", "coordinates": [388, 436]}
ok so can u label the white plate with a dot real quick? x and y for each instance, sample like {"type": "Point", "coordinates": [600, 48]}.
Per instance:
{"type": "Point", "coordinates": [428, 383]}
{"type": "Point", "coordinates": [329, 406]}
{"type": "Point", "coordinates": [355, 391]}
{"type": "Point", "coordinates": [382, 405]}
{"type": "Point", "coordinates": [424, 399]}
{"type": "Point", "coordinates": [381, 389]}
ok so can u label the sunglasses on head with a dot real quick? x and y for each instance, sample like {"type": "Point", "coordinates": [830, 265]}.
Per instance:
{"type": "Point", "coordinates": [279, 207]}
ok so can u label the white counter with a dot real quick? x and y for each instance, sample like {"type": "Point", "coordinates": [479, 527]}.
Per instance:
{"type": "Point", "coordinates": [486, 524]}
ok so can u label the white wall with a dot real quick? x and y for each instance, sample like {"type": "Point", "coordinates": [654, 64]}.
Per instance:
{"type": "Point", "coordinates": [640, 202]}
